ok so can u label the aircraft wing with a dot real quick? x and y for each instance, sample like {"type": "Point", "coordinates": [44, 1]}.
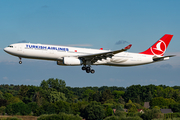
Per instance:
{"type": "Point", "coordinates": [162, 58]}
{"type": "Point", "coordinates": [99, 56]}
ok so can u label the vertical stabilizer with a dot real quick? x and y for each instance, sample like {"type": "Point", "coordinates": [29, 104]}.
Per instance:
{"type": "Point", "coordinates": [159, 47]}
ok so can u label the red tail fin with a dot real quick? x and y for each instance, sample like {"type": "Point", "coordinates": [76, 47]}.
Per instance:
{"type": "Point", "coordinates": [160, 46]}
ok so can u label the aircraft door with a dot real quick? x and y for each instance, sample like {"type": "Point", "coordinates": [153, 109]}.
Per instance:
{"type": "Point", "coordinates": [138, 57]}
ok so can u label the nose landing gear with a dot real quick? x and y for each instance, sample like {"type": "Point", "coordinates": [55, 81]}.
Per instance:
{"type": "Point", "coordinates": [20, 62]}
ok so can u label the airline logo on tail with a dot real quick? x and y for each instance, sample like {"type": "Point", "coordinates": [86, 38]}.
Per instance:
{"type": "Point", "coordinates": [159, 47]}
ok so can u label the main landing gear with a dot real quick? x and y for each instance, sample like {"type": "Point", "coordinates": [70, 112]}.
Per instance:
{"type": "Point", "coordinates": [20, 62]}
{"type": "Point", "coordinates": [88, 69]}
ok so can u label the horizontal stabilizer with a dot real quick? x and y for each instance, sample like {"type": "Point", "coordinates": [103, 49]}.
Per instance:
{"type": "Point", "coordinates": [162, 58]}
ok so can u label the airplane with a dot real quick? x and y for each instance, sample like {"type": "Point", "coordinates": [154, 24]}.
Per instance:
{"type": "Point", "coordinates": [85, 57]}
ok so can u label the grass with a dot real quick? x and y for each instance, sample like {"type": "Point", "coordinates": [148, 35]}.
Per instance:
{"type": "Point", "coordinates": [18, 116]}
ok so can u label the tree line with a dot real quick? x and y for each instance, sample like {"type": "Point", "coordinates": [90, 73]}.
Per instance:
{"type": "Point", "coordinates": [52, 97]}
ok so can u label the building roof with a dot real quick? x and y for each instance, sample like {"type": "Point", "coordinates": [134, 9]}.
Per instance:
{"type": "Point", "coordinates": [114, 110]}
{"type": "Point", "coordinates": [166, 111]}
{"type": "Point", "coordinates": [125, 110]}
{"type": "Point", "coordinates": [141, 110]}
{"type": "Point", "coordinates": [146, 105]}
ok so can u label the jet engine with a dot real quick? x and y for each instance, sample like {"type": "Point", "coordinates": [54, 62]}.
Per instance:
{"type": "Point", "coordinates": [70, 61]}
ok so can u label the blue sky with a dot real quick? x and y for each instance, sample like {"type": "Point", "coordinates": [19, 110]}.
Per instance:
{"type": "Point", "coordinates": [92, 24]}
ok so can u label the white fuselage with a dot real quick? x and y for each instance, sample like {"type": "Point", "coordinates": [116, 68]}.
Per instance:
{"type": "Point", "coordinates": [57, 53]}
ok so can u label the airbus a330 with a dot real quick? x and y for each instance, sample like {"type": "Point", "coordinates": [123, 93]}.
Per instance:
{"type": "Point", "coordinates": [74, 56]}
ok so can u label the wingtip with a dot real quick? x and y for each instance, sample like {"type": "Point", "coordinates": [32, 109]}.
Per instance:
{"type": "Point", "coordinates": [128, 47]}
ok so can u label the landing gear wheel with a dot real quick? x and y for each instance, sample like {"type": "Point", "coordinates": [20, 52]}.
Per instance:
{"type": "Point", "coordinates": [20, 62]}
{"type": "Point", "coordinates": [83, 68]}
{"type": "Point", "coordinates": [92, 71]}
{"type": "Point", "coordinates": [87, 70]}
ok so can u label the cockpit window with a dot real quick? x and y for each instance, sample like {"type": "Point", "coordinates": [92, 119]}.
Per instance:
{"type": "Point", "coordinates": [10, 46]}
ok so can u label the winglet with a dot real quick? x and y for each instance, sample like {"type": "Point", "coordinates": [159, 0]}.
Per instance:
{"type": "Point", "coordinates": [128, 47]}
{"type": "Point", "coordinates": [101, 49]}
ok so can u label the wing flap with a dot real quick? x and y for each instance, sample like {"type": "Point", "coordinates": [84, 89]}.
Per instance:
{"type": "Point", "coordinates": [104, 55]}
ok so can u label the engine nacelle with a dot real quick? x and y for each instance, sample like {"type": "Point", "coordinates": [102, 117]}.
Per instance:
{"type": "Point", "coordinates": [60, 62]}
{"type": "Point", "coordinates": [71, 61]}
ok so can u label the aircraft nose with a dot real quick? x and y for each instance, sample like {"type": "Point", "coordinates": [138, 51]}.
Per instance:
{"type": "Point", "coordinates": [5, 49]}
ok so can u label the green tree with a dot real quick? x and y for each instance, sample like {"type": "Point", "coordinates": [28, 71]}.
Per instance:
{"type": "Point", "coordinates": [119, 107]}
{"type": "Point", "coordinates": [23, 91]}
{"type": "Point", "coordinates": [16, 108]}
{"type": "Point", "coordinates": [1, 95]}
{"type": "Point", "coordinates": [108, 111]}
{"type": "Point", "coordinates": [60, 116]}
{"type": "Point", "coordinates": [121, 100]}
{"type": "Point", "coordinates": [157, 107]}
{"type": "Point", "coordinates": [133, 109]}
{"type": "Point", "coordinates": [168, 92]}
{"type": "Point", "coordinates": [176, 95]}
{"type": "Point", "coordinates": [160, 101]}
{"type": "Point", "coordinates": [27, 100]}
{"type": "Point", "coordinates": [57, 84]}
{"type": "Point", "coordinates": [132, 118]}
{"type": "Point", "coordinates": [94, 111]}
{"type": "Point", "coordinates": [147, 93]}
{"type": "Point", "coordinates": [119, 113]}
{"type": "Point", "coordinates": [87, 93]}
{"type": "Point", "coordinates": [57, 96]}
{"type": "Point", "coordinates": [3, 102]}
{"type": "Point", "coordinates": [117, 94]}
{"type": "Point", "coordinates": [152, 114]}
{"type": "Point", "coordinates": [14, 100]}
{"type": "Point", "coordinates": [159, 91]}
{"type": "Point", "coordinates": [41, 97]}
{"type": "Point", "coordinates": [47, 108]}
{"type": "Point", "coordinates": [97, 96]}
{"type": "Point", "coordinates": [106, 95]}
{"type": "Point", "coordinates": [44, 85]}
{"type": "Point", "coordinates": [62, 106]}
{"type": "Point", "coordinates": [2, 109]}
{"type": "Point", "coordinates": [175, 107]}
{"type": "Point", "coordinates": [132, 92]}
{"type": "Point", "coordinates": [7, 96]}
{"type": "Point", "coordinates": [33, 106]}
{"type": "Point", "coordinates": [113, 118]}
{"type": "Point", "coordinates": [75, 108]}
{"type": "Point", "coordinates": [138, 100]}
{"type": "Point", "coordinates": [52, 83]}
{"type": "Point", "coordinates": [149, 97]}
{"type": "Point", "coordinates": [69, 95]}
{"type": "Point", "coordinates": [129, 104]}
